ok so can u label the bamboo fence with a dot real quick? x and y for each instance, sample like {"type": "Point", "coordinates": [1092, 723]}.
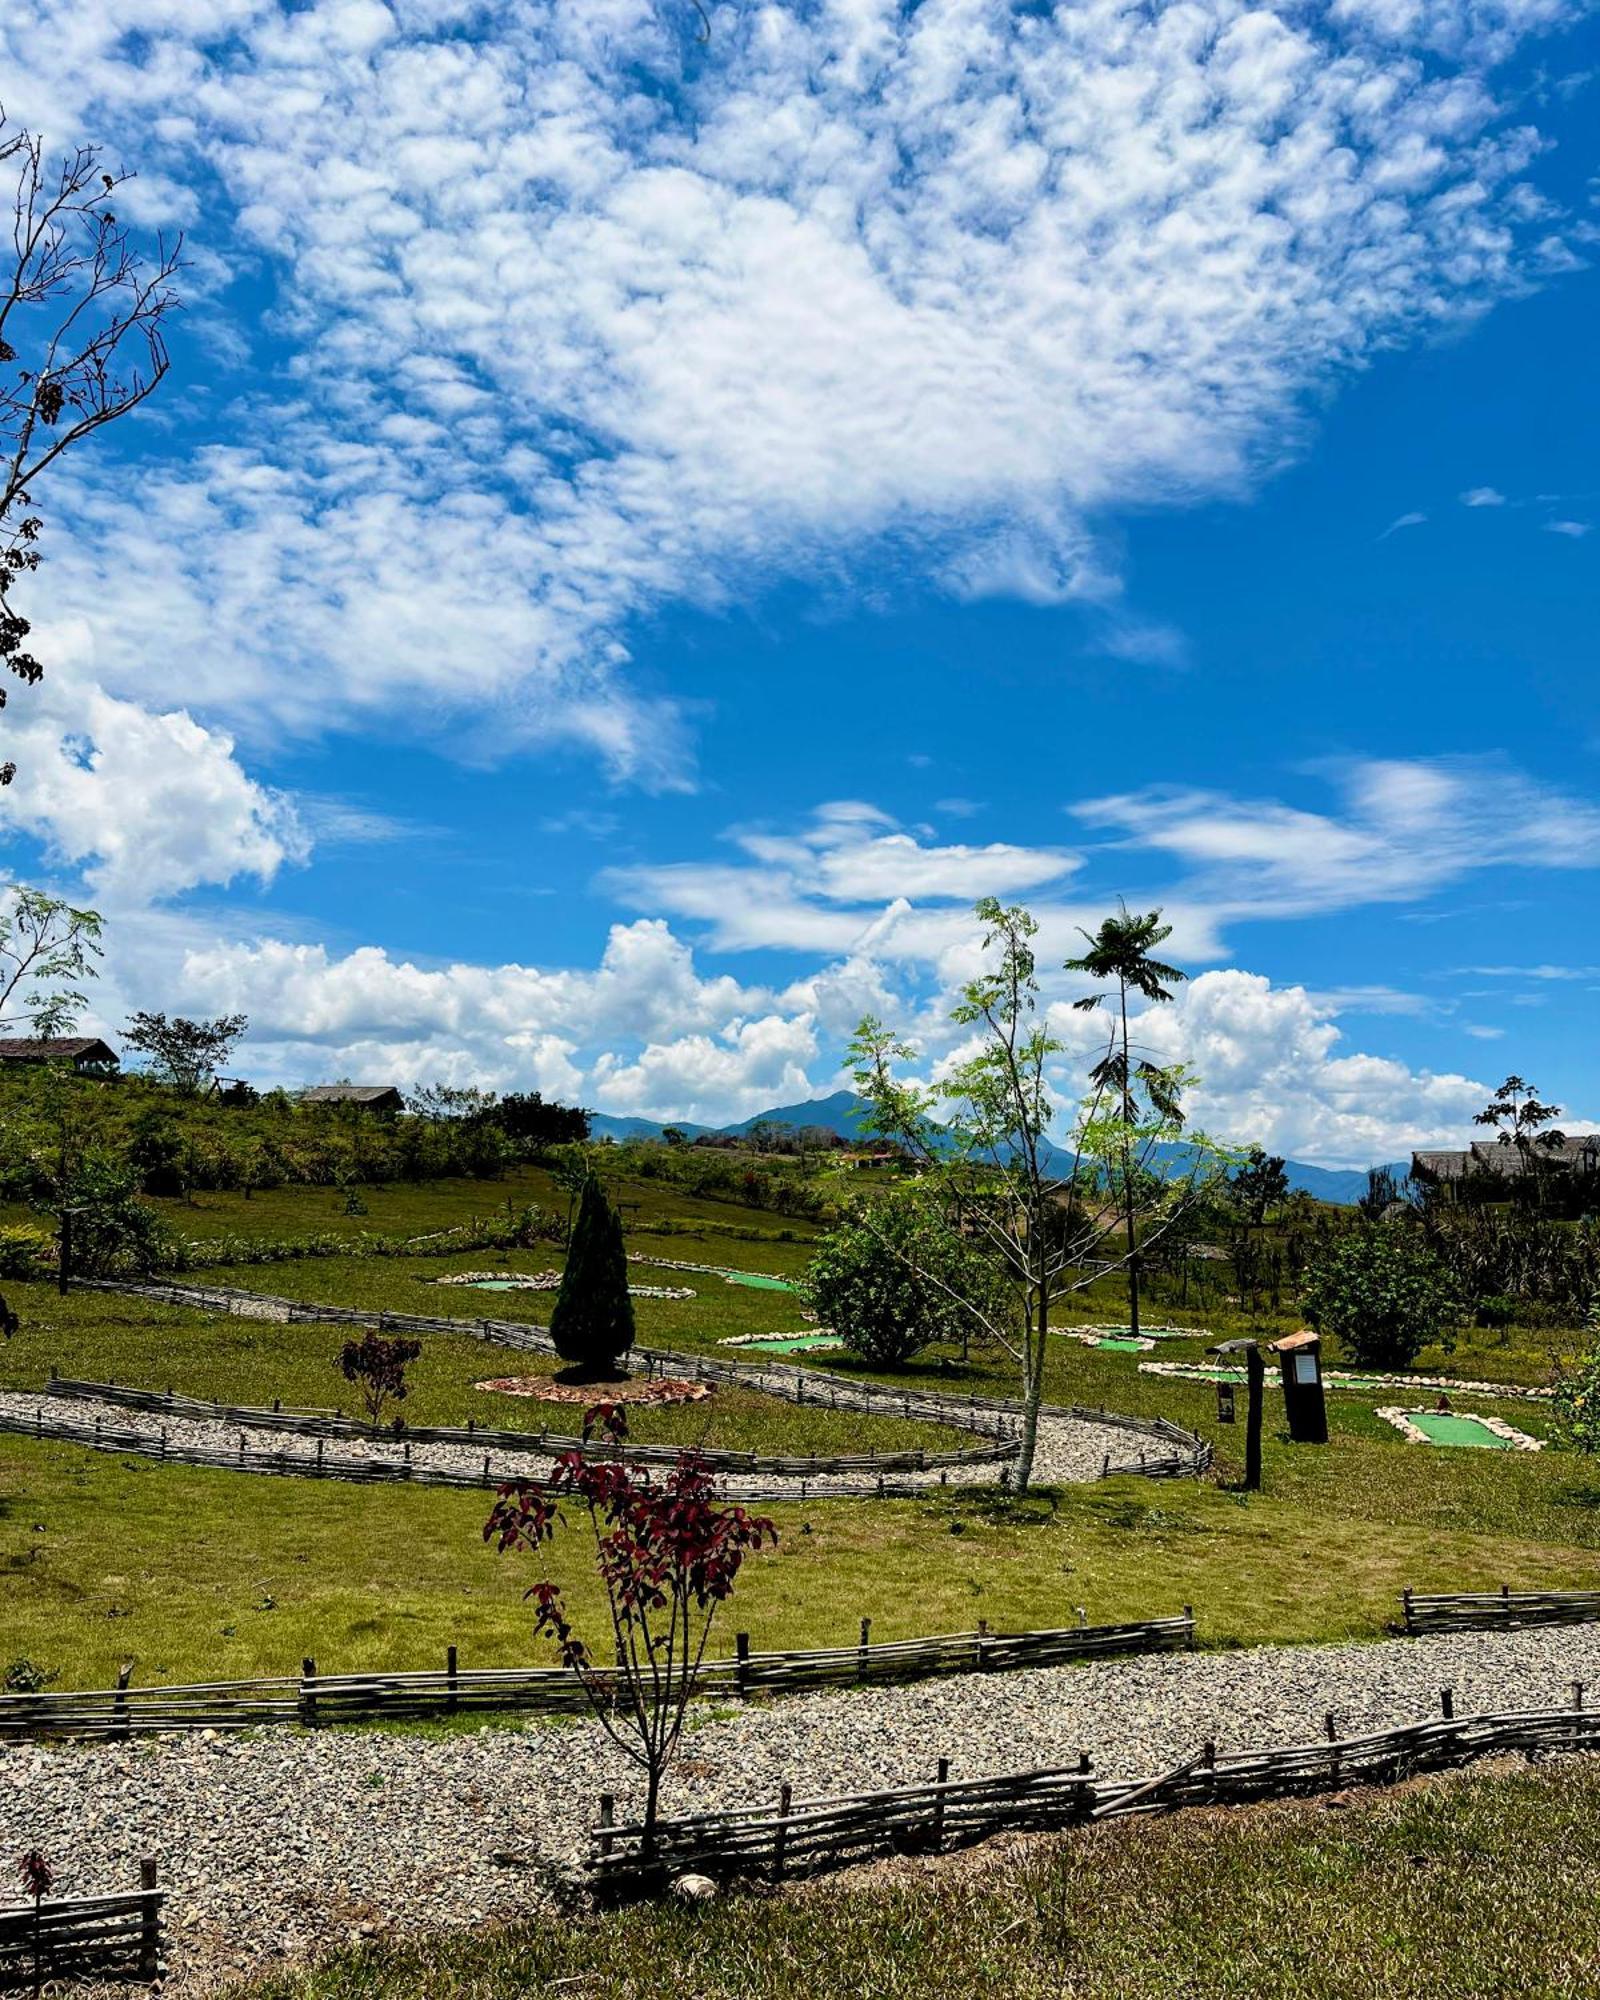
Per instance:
{"type": "Point", "coordinates": [484, 1437]}
{"type": "Point", "coordinates": [1166, 1449]}
{"type": "Point", "coordinates": [806, 1836]}
{"type": "Point", "coordinates": [315, 1699]}
{"type": "Point", "coordinates": [1501, 1610]}
{"type": "Point", "coordinates": [84, 1937]}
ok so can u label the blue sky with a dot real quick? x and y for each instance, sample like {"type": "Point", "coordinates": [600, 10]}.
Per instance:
{"type": "Point", "coordinates": [639, 535]}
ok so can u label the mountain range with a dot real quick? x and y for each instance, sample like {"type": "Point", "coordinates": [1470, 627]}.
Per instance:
{"type": "Point", "coordinates": [842, 1113]}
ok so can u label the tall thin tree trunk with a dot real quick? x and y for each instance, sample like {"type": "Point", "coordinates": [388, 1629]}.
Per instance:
{"type": "Point", "coordinates": [1127, 1170]}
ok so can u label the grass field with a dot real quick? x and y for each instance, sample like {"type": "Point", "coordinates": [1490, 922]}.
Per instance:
{"type": "Point", "coordinates": [1461, 1888]}
{"type": "Point", "coordinates": [196, 1574]}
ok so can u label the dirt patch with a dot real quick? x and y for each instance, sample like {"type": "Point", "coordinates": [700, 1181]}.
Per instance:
{"type": "Point", "coordinates": [635, 1389]}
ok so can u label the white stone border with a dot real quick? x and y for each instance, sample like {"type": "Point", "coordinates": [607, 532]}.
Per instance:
{"type": "Point", "coordinates": [728, 1271]}
{"type": "Point", "coordinates": [1361, 1383]}
{"type": "Point", "coordinates": [1414, 1434]}
{"type": "Point", "coordinates": [550, 1281]}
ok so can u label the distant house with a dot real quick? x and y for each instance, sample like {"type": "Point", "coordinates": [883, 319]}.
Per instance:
{"type": "Point", "coordinates": [368, 1096]}
{"type": "Point", "coordinates": [87, 1054]}
{"type": "Point", "coordinates": [1488, 1157]}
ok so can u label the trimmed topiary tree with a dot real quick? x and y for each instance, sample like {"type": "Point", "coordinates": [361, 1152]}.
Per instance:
{"type": "Point", "coordinates": [1385, 1296]}
{"type": "Point", "coordinates": [592, 1325]}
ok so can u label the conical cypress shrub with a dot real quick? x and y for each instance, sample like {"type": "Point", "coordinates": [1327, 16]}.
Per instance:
{"type": "Point", "coordinates": [592, 1325]}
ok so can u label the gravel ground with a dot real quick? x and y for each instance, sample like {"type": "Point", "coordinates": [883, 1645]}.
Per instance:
{"type": "Point", "coordinates": [282, 1844]}
{"type": "Point", "coordinates": [1068, 1450]}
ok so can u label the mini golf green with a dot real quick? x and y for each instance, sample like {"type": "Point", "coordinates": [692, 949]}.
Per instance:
{"type": "Point", "coordinates": [757, 1282]}
{"type": "Point", "coordinates": [1444, 1427]}
{"type": "Point", "coordinates": [498, 1285]}
{"type": "Point", "coordinates": [797, 1343]}
{"type": "Point", "coordinates": [1121, 1344]}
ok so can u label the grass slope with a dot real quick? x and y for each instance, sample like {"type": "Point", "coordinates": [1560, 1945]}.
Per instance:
{"type": "Point", "coordinates": [1460, 1888]}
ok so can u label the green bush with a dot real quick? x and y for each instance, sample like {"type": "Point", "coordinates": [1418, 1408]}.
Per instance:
{"type": "Point", "coordinates": [592, 1324]}
{"type": "Point", "coordinates": [1384, 1295]}
{"type": "Point", "coordinates": [1576, 1407]}
{"type": "Point", "coordinates": [25, 1252]}
{"type": "Point", "coordinates": [895, 1279]}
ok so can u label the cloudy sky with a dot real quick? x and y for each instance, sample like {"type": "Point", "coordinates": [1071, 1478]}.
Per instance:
{"type": "Point", "coordinates": [646, 524]}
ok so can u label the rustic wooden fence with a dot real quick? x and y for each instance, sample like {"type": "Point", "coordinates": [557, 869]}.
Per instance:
{"type": "Point", "coordinates": [315, 1699]}
{"type": "Point", "coordinates": [485, 1437]}
{"type": "Point", "coordinates": [84, 1937]}
{"type": "Point", "coordinates": [807, 1836]}
{"type": "Point", "coordinates": [1166, 1450]}
{"type": "Point", "coordinates": [1501, 1610]}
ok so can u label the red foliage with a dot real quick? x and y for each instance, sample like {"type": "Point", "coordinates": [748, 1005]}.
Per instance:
{"type": "Point", "coordinates": [38, 1877]}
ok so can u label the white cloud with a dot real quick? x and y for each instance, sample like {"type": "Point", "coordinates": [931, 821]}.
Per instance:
{"type": "Point", "coordinates": [577, 326]}
{"type": "Point", "coordinates": [144, 805]}
{"type": "Point", "coordinates": [1573, 530]}
{"type": "Point", "coordinates": [1482, 496]}
{"type": "Point", "coordinates": [1402, 521]}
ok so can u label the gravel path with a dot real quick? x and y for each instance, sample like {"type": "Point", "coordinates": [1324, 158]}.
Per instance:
{"type": "Point", "coordinates": [1068, 1450]}
{"type": "Point", "coordinates": [282, 1844]}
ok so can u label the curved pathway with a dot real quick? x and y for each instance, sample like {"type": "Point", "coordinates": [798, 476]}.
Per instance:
{"type": "Point", "coordinates": [291, 1843]}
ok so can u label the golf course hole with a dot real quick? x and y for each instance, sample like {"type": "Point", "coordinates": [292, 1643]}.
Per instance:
{"type": "Point", "coordinates": [1450, 1427]}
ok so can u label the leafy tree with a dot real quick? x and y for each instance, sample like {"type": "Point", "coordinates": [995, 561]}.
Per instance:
{"type": "Point", "coordinates": [980, 1139]}
{"type": "Point", "coordinates": [1384, 1295]}
{"type": "Point", "coordinates": [377, 1366]}
{"type": "Point", "coordinates": [1576, 1405]}
{"type": "Point", "coordinates": [536, 1125]}
{"type": "Point", "coordinates": [114, 1233]}
{"type": "Point", "coordinates": [1259, 1186]}
{"type": "Point", "coordinates": [44, 941]}
{"type": "Point", "coordinates": [1121, 951]}
{"type": "Point", "coordinates": [187, 1054]}
{"type": "Point", "coordinates": [899, 1282]}
{"type": "Point", "coordinates": [1519, 1119]}
{"type": "Point", "coordinates": [592, 1324]}
{"type": "Point", "coordinates": [82, 342]}
{"type": "Point", "coordinates": [668, 1555]}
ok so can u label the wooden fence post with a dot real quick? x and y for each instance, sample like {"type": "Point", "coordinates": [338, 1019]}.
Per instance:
{"type": "Point", "coordinates": [865, 1647]}
{"type": "Point", "coordinates": [982, 1645]}
{"type": "Point", "coordinates": [1405, 1602]}
{"type": "Point", "coordinates": [149, 1921]}
{"type": "Point", "coordinates": [608, 1814]}
{"type": "Point", "coordinates": [120, 1706]}
{"type": "Point", "coordinates": [1577, 1694]}
{"type": "Point", "coordinates": [450, 1680]}
{"type": "Point", "coordinates": [780, 1838]}
{"type": "Point", "coordinates": [741, 1666]}
{"type": "Point", "coordinates": [941, 1781]}
{"type": "Point", "coordinates": [1447, 1702]}
{"type": "Point", "coordinates": [308, 1694]}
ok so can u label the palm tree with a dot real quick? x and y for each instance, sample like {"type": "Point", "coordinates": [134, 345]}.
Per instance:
{"type": "Point", "coordinates": [1121, 950]}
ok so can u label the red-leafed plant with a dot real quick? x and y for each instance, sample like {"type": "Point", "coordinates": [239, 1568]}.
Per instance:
{"type": "Point", "coordinates": [38, 1878]}
{"type": "Point", "coordinates": [668, 1553]}
{"type": "Point", "coordinates": [377, 1366]}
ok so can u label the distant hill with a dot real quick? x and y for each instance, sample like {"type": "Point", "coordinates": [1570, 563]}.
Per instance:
{"type": "Point", "coordinates": [842, 1113]}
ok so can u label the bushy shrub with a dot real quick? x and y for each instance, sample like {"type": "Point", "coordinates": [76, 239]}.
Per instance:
{"type": "Point", "coordinates": [114, 1233]}
{"type": "Point", "coordinates": [1384, 1295]}
{"type": "Point", "coordinates": [894, 1279]}
{"type": "Point", "coordinates": [1576, 1406]}
{"type": "Point", "coordinates": [592, 1324]}
{"type": "Point", "coordinates": [25, 1252]}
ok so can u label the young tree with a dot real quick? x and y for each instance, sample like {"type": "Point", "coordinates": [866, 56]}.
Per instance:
{"type": "Point", "coordinates": [38, 1879]}
{"type": "Point", "coordinates": [1576, 1405]}
{"type": "Point", "coordinates": [1519, 1119]}
{"type": "Point", "coordinates": [1383, 1294]}
{"type": "Point", "coordinates": [980, 1137]}
{"type": "Point", "coordinates": [1121, 951]}
{"type": "Point", "coordinates": [1259, 1186]}
{"type": "Point", "coordinates": [668, 1557]}
{"type": "Point", "coordinates": [187, 1054]}
{"type": "Point", "coordinates": [592, 1323]}
{"type": "Point", "coordinates": [44, 941]}
{"type": "Point", "coordinates": [82, 342]}
{"type": "Point", "coordinates": [377, 1366]}
{"type": "Point", "coordinates": [899, 1281]}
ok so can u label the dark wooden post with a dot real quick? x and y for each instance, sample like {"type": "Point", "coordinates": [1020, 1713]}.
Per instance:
{"type": "Point", "coordinates": [1447, 1702]}
{"type": "Point", "coordinates": [450, 1680]}
{"type": "Point", "coordinates": [741, 1662]}
{"type": "Point", "coordinates": [308, 1694]}
{"type": "Point", "coordinates": [866, 1646]}
{"type": "Point", "coordinates": [608, 1814]}
{"type": "Point", "coordinates": [941, 1781]}
{"type": "Point", "coordinates": [149, 1921]}
{"type": "Point", "coordinates": [780, 1838]}
{"type": "Point", "coordinates": [120, 1707]}
{"type": "Point", "coordinates": [1255, 1375]}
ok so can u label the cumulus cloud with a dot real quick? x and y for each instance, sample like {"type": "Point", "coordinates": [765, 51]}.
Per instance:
{"type": "Point", "coordinates": [569, 322]}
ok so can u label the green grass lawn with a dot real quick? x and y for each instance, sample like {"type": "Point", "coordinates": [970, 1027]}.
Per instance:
{"type": "Point", "coordinates": [201, 1574]}
{"type": "Point", "coordinates": [1468, 1887]}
